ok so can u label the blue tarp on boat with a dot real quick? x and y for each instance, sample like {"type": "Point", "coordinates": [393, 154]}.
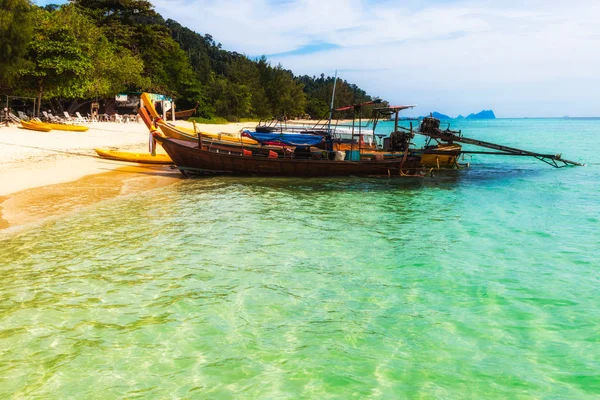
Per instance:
{"type": "Point", "coordinates": [290, 139]}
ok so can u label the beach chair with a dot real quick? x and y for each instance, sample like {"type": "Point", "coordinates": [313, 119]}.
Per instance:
{"type": "Point", "coordinates": [14, 118]}
{"type": "Point", "coordinates": [80, 119]}
{"type": "Point", "coordinates": [56, 119]}
{"type": "Point", "coordinates": [117, 118]}
{"type": "Point", "coordinates": [68, 118]}
{"type": "Point", "coordinates": [22, 116]}
{"type": "Point", "coordinates": [50, 118]}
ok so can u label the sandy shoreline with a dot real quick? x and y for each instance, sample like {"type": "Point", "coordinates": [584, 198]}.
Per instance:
{"type": "Point", "coordinates": [48, 174]}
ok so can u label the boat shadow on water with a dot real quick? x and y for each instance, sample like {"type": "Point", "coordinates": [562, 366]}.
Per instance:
{"type": "Point", "coordinates": [479, 175]}
{"type": "Point", "coordinates": [443, 179]}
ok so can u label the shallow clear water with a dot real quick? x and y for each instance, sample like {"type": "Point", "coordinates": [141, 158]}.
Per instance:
{"type": "Point", "coordinates": [479, 283]}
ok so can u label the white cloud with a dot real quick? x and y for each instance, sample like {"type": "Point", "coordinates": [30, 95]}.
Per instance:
{"type": "Point", "coordinates": [260, 27]}
{"type": "Point", "coordinates": [461, 54]}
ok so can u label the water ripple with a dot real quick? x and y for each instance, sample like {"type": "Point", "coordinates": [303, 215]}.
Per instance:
{"type": "Point", "coordinates": [480, 283]}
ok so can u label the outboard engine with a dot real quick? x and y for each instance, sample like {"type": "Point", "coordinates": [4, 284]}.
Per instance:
{"type": "Point", "coordinates": [400, 140]}
{"type": "Point", "coordinates": [430, 125]}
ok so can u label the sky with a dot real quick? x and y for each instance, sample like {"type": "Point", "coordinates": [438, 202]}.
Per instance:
{"type": "Point", "coordinates": [519, 58]}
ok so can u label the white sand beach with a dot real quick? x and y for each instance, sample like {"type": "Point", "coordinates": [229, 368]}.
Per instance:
{"type": "Point", "coordinates": [30, 159]}
{"type": "Point", "coordinates": [47, 173]}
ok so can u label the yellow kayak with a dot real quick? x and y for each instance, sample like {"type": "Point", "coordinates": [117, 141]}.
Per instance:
{"type": "Point", "coordinates": [35, 127]}
{"type": "Point", "coordinates": [61, 127]}
{"type": "Point", "coordinates": [130, 156]}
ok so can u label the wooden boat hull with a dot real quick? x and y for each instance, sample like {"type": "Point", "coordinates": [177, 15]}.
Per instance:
{"type": "Point", "coordinates": [130, 156]}
{"type": "Point", "coordinates": [189, 134]}
{"type": "Point", "coordinates": [61, 127]}
{"type": "Point", "coordinates": [182, 114]}
{"type": "Point", "coordinates": [183, 133]}
{"type": "Point", "coordinates": [191, 160]}
{"type": "Point", "coordinates": [441, 156]}
{"type": "Point", "coordinates": [213, 143]}
{"type": "Point", "coordinates": [220, 156]}
{"type": "Point", "coordinates": [34, 127]}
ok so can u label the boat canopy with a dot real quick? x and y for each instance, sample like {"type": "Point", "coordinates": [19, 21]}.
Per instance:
{"type": "Point", "coordinates": [290, 139]}
{"type": "Point", "coordinates": [396, 108]}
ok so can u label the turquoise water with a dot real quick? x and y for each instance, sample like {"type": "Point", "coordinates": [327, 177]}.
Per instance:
{"type": "Point", "coordinates": [479, 283]}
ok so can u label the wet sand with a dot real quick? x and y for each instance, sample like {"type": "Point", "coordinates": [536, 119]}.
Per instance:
{"type": "Point", "coordinates": [37, 204]}
{"type": "Point", "coordinates": [3, 224]}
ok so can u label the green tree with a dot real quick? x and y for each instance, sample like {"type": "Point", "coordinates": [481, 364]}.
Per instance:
{"type": "Point", "coordinates": [115, 70]}
{"type": "Point", "coordinates": [122, 20]}
{"type": "Point", "coordinates": [245, 72]}
{"type": "Point", "coordinates": [58, 64]}
{"type": "Point", "coordinates": [136, 26]}
{"type": "Point", "coordinates": [70, 58]}
{"type": "Point", "coordinates": [285, 94]}
{"type": "Point", "coordinates": [319, 90]}
{"type": "Point", "coordinates": [133, 47]}
{"type": "Point", "coordinates": [316, 108]}
{"type": "Point", "coordinates": [231, 100]}
{"type": "Point", "coordinates": [16, 29]}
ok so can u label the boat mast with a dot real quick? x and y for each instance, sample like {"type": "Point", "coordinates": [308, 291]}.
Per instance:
{"type": "Point", "coordinates": [331, 107]}
{"type": "Point", "coordinates": [359, 131]}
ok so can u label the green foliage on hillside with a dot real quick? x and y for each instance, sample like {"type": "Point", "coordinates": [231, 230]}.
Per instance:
{"type": "Point", "coordinates": [97, 48]}
{"type": "Point", "coordinates": [16, 29]}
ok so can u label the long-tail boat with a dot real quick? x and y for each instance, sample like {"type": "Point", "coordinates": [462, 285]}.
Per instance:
{"type": "Point", "coordinates": [214, 144]}
{"type": "Point", "coordinates": [197, 159]}
{"type": "Point", "coordinates": [183, 133]}
{"type": "Point", "coordinates": [193, 159]}
{"type": "Point", "coordinates": [430, 127]}
{"type": "Point", "coordinates": [342, 137]}
{"type": "Point", "coordinates": [201, 159]}
{"type": "Point", "coordinates": [183, 114]}
{"type": "Point", "coordinates": [364, 159]}
{"type": "Point", "coordinates": [396, 157]}
{"type": "Point", "coordinates": [362, 138]}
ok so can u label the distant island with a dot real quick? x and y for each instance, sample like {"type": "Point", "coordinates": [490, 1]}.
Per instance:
{"type": "Point", "coordinates": [484, 114]}
{"type": "Point", "coordinates": [440, 116]}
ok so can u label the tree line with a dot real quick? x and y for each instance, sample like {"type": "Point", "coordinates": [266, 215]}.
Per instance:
{"type": "Point", "coordinates": [87, 49]}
